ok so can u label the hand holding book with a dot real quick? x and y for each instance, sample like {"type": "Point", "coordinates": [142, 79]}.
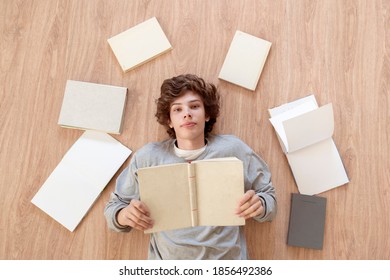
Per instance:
{"type": "Point", "coordinates": [250, 205]}
{"type": "Point", "coordinates": [135, 215]}
{"type": "Point", "coordinates": [202, 193]}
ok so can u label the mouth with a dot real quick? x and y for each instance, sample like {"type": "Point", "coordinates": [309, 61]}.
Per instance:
{"type": "Point", "coordinates": [188, 124]}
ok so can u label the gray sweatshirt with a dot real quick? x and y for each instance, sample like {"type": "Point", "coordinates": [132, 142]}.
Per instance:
{"type": "Point", "coordinates": [196, 242]}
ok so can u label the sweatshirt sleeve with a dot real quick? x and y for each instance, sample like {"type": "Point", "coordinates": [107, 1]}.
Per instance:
{"type": "Point", "coordinates": [126, 189]}
{"type": "Point", "coordinates": [259, 179]}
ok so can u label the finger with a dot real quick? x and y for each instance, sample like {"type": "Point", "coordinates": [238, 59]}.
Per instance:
{"type": "Point", "coordinates": [253, 210]}
{"type": "Point", "coordinates": [136, 219]}
{"type": "Point", "coordinates": [136, 215]}
{"type": "Point", "coordinates": [252, 200]}
{"type": "Point", "coordinates": [140, 206]}
{"type": "Point", "coordinates": [256, 213]}
{"type": "Point", "coordinates": [140, 222]}
{"type": "Point", "coordinates": [247, 196]}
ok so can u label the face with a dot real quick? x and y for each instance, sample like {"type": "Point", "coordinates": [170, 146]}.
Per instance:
{"type": "Point", "coordinates": [188, 118]}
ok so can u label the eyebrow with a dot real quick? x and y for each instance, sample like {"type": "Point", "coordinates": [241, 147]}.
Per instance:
{"type": "Point", "coordinates": [191, 101]}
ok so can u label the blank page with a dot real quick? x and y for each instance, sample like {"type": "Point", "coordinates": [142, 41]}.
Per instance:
{"type": "Point", "coordinates": [79, 178]}
{"type": "Point", "coordinates": [309, 128]}
{"type": "Point", "coordinates": [317, 168]}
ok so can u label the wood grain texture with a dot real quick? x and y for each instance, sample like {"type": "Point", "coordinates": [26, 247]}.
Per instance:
{"type": "Point", "coordinates": [338, 50]}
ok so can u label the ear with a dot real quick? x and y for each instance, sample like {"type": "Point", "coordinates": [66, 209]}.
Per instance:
{"type": "Point", "coordinates": [207, 119]}
{"type": "Point", "coordinates": [170, 124]}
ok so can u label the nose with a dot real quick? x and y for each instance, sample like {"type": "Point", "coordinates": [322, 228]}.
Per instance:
{"type": "Point", "coordinates": [187, 113]}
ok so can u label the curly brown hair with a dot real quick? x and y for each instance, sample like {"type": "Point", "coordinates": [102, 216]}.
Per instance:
{"type": "Point", "coordinates": [175, 87]}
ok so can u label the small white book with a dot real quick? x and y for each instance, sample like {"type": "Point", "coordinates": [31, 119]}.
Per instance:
{"type": "Point", "coordinates": [139, 44]}
{"type": "Point", "coordinates": [80, 177]}
{"type": "Point", "coordinates": [93, 106]}
{"type": "Point", "coordinates": [305, 135]}
{"type": "Point", "coordinates": [245, 60]}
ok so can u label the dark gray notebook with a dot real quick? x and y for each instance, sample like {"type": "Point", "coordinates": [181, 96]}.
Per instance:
{"type": "Point", "coordinates": [307, 221]}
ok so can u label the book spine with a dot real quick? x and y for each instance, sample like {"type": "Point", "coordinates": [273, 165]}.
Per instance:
{"type": "Point", "coordinates": [193, 198]}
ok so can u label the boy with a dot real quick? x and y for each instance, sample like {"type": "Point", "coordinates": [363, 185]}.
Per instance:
{"type": "Point", "coordinates": [188, 108]}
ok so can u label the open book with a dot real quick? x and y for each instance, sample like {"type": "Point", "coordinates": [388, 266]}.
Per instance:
{"type": "Point", "coordinates": [199, 193]}
{"type": "Point", "coordinates": [245, 60]}
{"type": "Point", "coordinates": [305, 134]}
{"type": "Point", "coordinates": [93, 106]}
{"type": "Point", "coordinates": [80, 177]}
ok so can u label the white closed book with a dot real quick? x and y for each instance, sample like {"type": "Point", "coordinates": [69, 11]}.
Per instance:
{"type": "Point", "coordinates": [93, 106]}
{"type": "Point", "coordinates": [245, 60]}
{"type": "Point", "coordinates": [139, 44]}
{"type": "Point", "coordinates": [80, 177]}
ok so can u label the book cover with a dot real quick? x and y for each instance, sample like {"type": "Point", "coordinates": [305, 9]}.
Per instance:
{"type": "Point", "coordinates": [305, 135]}
{"type": "Point", "coordinates": [93, 106]}
{"type": "Point", "coordinates": [80, 177]}
{"type": "Point", "coordinates": [139, 44]}
{"type": "Point", "coordinates": [307, 221]}
{"type": "Point", "coordinates": [245, 60]}
{"type": "Point", "coordinates": [199, 193]}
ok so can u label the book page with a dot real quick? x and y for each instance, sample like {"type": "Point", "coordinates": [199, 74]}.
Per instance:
{"type": "Point", "coordinates": [309, 128]}
{"type": "Point", "coordinates": [317, 168]}
{"type": "Point", "coordinates": [277, 121]}
{"type": "Point", "coordinates": [291, 105]}
{"type": "Point", "coordinates": [66, 196]}
{"type": "Point", "coordinates": [220, 185]}
{"type": "Point", "coordinates": [79, 178]}
{"type": "Point", "coordinates": [165, 190]}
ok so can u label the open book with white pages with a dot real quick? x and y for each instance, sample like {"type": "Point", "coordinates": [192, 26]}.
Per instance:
{"type": "Point", "coordinates": [305, 134]}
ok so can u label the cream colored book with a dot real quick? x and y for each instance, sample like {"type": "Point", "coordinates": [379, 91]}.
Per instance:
{"type": "Point", "coordinates": [139, 44]}
{"type": "Point", "coordinates": [199, 193]}
{"type": "Point", "coordinates": [305, 134]}
{"type": "Point", "coordinates": [80, 177]}
{"type": "Point", "coordinates": [245, 60]}
{"type": "Point", "coordinates": [93, 106]}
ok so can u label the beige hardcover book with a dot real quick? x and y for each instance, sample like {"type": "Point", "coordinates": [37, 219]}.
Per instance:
{"type": "Point", "coordinates": [93, 106]}
{"type": "Point", "coordinates": [80, 177]}
{"type": "Point", "coordinates": [199, 193]}
{"type": "Point", "coordinates": [245, 60]}
{"type": "Point", "coordinates": [139, 44]}
{"type": "Point", "coordinates": [305, 134]}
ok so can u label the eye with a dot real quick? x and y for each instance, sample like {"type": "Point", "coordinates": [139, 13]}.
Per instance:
{"type": "Point", "coordinates": [176, 109]}
{"type": "Point", "coordinates": [195, 106]}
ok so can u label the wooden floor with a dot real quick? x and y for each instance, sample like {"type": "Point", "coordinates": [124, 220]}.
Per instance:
{"type": "Point", "coordinates": [338, 50]}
